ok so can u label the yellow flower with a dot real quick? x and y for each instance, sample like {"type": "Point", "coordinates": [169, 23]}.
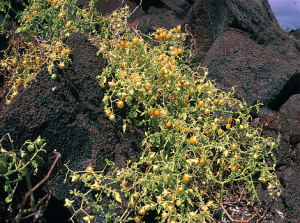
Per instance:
{"type": "Point", "coordinates": [89, 170]}
{"type": "Point", "coordinates": [88, 218]}
{"type": "Point", "coordinates": [96, 186]}
{"type": "Point", "coordinates": [74, 178]}
{"type": "Point", "coordinates": [68, 203]}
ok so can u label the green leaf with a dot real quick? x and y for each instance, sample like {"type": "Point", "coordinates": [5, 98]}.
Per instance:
{"type": "Point", "coordinates": [7, 187]}
{"type": "Point", "coordinates": [18, 30]}
{"type": "Point", "coordinates": [110, 163]}
{"type": "Point", "coordinates": [190, 201]}
{"type": "Point", "coordinates": [8, 199]}
{"type": "Point", "coordinates": [117, 197]}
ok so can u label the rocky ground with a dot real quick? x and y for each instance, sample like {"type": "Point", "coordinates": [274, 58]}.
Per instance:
{"type": "Point", "coordinates": [242, 45]}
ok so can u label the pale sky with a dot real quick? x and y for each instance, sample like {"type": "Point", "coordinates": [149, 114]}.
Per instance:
{"type": "Point", "coordinates": [287, 13]}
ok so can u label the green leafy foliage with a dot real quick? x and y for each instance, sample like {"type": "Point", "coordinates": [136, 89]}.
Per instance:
{"type": "Point", "coordinates": [14, 163]}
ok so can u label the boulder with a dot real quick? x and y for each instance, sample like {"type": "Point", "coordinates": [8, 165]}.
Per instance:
{"type": "Point", "coordinates": [242, 45]}
{"type": "Point", "coordinates": [286, 122]}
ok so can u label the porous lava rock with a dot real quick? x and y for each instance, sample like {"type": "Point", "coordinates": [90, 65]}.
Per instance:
{"type": "Point", "coordinates": [239, 41]}
{"type": "Point", "coordinates": [286, 123]}
{"type": "Point", "coordinates": [295, 34]}
{"type": "Point", "coordinates": [243, 45]}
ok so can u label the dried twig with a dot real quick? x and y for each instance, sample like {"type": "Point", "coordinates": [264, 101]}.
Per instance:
{"type": "Point", "coordinates": [230, 218]}
{"type": "Point", "coordinates": [136, 8]}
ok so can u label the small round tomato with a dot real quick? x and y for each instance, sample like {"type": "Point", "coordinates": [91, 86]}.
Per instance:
{"type": "Point", "coordinates": [14, 95]}
{"type": "Point", "coordinates": [123, 64]}
{"type": "Point", "coordinates": [186, 178]}
{"type": "Point", "coordinates": [179, 190]}
{"type": "Point", "coordinates": [30, 147]}
{"type": "Point", "coordinates": [108, 112]}
{"type": "Point", "coordinates": [170, 208]}
{"type": "Point", "coordinates": [184, 103]}
{"type": "Point", "coordinates": [122, 97]}
{"type": "Point", "coordinates": [15, 87]}
{"type": "Point", "coordinates": [191, 93]}
{"type": "Point", "coordinates": [137, 219]}
{"type": "Point", "coordinates": [186, 130]}
{"type": "Point", "coordinates": [135, 41]}
{"type": "Point", "coordinates": [151, 112]}
{"type": "Point", "coordinates": [39, 141]}
{"type": "Point", "coordinates": [216, 101]}
{"type": "Point", "coordinates": [53, 76]}
{"type": "Point", "coordinates": [120, 104]}
{"type": "Point", "coordinates": [214, 128]}
{"type": "Point", "coordinates": [202, 160]}
{"type": "Point", "coordinates": [14, 63]}
{"type": "Point", "coordinates": [123, 75]}
{"type": "Point", "coordinates": [164, 215]}
{"type": "Point", "coordinates": [206, 111]}
{"type": "Point", "coordinates": [179, 51]}
{"type": "Point", "coordinates": [200, 103]}
{"type": "Point", "coordinates": [233, 169]}
{"type": "Point", "coordinates": [169, 124]}
{"type": "Point", "coordinates": [142, 211]}
{"type": "Point", "coordinates": [67, 52]}
{"type": "Point", "coordinates": [233, 147]}
{"type": "Point", "coordinates": [178, 203]}
{"type": "Point", "coordinates": [220, 131]}
{"type": "Point", "coordinates": [112, 118]}
{"type": "Point", "coordinates": [112, 85]}
{"type": "Point", "coordinates": [8, 102]}
{"type": "Point", "coordinates": [236, 157]}
{"type": "Point", "coordinates": [136, 196]}
{"type": "Point", "coordinates": [255, 156]}
{"type": "Point", "coordinates": [60, 15]}
{"type": "Point", "coordinates": [19, 82]}
{"type": "Point", "coordinates": [228, 126]}
{"type": "Point", "coordinates": [157, 113]}
{"type": "Point", "coordinates": [193, 140]}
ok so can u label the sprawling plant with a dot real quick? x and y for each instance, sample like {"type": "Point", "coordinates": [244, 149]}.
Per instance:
{"type": "Point", "coordinates": [199, 140]}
